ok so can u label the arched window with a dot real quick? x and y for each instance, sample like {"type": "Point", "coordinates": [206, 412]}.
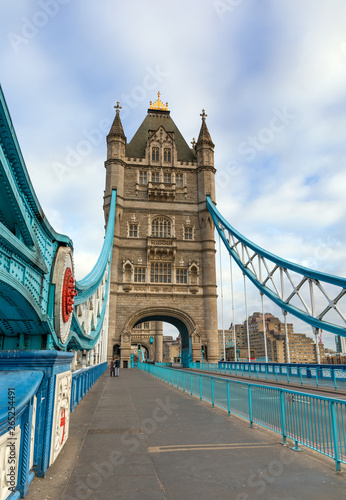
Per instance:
{"type": "Point", "coordinates": [161, 228]}
{"type": "Point", "coordinates": [155, 177]}
{"type": "Point", "coordinates": [167, 155]}
{"type": "Point", "coordinates": [155, 154]}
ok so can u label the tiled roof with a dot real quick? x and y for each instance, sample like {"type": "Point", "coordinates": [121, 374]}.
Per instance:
{"type": "Point", "coordinates": [153, 120]}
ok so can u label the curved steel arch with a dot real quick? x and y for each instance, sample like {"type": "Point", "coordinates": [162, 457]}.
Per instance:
{"type": "Point", "coordinates": [240, 248]}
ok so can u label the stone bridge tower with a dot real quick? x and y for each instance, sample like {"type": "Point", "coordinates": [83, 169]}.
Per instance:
{"type": "Point", "coordinates": [163, 266]}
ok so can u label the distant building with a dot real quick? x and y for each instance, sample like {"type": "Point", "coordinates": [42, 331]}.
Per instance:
{"type": "Point", "coordinates": [335, 359]}
{"type": "Point", "coordinates": [301, 347]}
{"type": "Point", "coordinates": [340, 344]}
{"type": "Point", "coordinates": [171, 349]}
{"type": "Point", "coordinates": [229, 338]}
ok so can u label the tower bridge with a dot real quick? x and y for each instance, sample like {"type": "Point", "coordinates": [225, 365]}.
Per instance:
{"type": "Point", "coordinates": [157, 264]}
{"type": "Point", "coordinates": [163, 266]}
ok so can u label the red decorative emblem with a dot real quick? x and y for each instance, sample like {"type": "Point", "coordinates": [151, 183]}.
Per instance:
{"type": "Point", "coordinates": [62, 423]}
{"type": "Point", "coordinates": [68, 294]}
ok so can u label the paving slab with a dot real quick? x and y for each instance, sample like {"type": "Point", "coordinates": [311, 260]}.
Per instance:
{"type": "Point", "coordinates": [134, 437]}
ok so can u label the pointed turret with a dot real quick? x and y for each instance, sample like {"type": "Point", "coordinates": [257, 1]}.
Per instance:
{"type": "Point", "coordinates": [204, 136]}
{"type": "Point", "coordinates": [205, 162]}
{"type": "Point", "coordinates": [116, 139]}
{"type": "Point", "coordinates": [116, 144]}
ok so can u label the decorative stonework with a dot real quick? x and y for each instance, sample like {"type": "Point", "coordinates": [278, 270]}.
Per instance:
{"type": "Point", "coordinates": [9, 455]}
{"type": "Point", "coordinates": [64, 292]}
{"type": "Point", "coordinates": [61, 412]}
{"type": "Point", "coordinates": [32, 435]}
{"type": "Point", "coordinates": [196, 338]}
{"type": "Point", "coordinates": [68, 295]}
{"type": "Point", "coordinates": [126, 336]}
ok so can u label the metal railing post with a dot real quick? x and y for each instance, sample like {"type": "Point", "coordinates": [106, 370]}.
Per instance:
{"type": "Point", "coordinates": [335, 436]}
{"type": "Point", "coordinates": [250, 405]}
{"type": "Point", "coordinates": [283, 417]}
{"type": "Point", "coordinates": [334, 377]}
{"type": "Point", "coordinates": [212, 392]}
{"type": "Point", "coordinates": [200, 387]}
{"type": "Point", "coordinates": [228, 398]}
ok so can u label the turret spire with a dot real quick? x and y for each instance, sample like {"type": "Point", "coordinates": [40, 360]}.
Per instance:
{"type": "Point", "coordinates": [204, 136]}
{"type": "Point", "coordinates": [117, 128]}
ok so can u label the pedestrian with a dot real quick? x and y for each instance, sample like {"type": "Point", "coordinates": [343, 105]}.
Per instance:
{"type": "Point", "coordinates": [117, 366]}
{"type": "Point", "coordinates": [112, 368]}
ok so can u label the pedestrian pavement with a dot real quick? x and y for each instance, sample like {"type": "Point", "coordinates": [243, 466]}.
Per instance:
{"type": "Point", "coordinates": [135, 437]}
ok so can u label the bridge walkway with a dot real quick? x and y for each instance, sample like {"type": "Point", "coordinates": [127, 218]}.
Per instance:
{"type": "Point", "coordinates": [134, 437]}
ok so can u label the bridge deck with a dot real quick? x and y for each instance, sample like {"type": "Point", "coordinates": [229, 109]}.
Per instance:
{"type": "Point", "coordinates": [134, 437]}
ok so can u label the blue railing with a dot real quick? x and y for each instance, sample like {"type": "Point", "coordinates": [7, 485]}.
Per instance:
{"type": "Point", "coordinates": [333, 376]}
{"type": "Point", "coordinates": [83, 380]}
{"type": "Point", "coordinates": [313, 421]}
{"type": "Point", "coordinates": [17, 424]}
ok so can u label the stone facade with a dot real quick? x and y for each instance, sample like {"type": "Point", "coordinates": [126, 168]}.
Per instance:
{"type": "Point", "coordinates": [163, 265]}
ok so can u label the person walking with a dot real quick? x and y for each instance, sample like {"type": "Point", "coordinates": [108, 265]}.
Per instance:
{"type": "Point", "coordinates": [112, 368]}
{"type": "Point", "coordinates": [117, 366]}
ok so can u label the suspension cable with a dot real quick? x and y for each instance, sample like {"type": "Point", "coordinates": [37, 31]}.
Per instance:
{"type": "Point", "coordinates": [222, 315]}
{"type": "Point", "coordinates": [264, 329]}
{"type": "Point", "coordinates": [263, 320]}
{"type": "Point", "coordinates": [233, 311]}
{"type": "Point", "coordinates": [287, 340]}
{"type": "Point", "coordinates": [247, 320]}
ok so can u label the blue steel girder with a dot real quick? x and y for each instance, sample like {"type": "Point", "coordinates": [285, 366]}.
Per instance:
{"type": "Point", "coordinates": [33, 259]}
{"type": "Point", "coordinates": [28, 245]}
{"type": "Point", "coordinates": [91, 303]}
{"type": "Point", "coordinates": [264, 268]}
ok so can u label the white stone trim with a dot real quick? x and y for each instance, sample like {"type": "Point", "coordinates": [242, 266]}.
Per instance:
{"type": "Point", "coordinates": [32, 435]}
{"type": "Point", "coordinates": [6, 461]}
{"type": "Point", "coordinates": [61, 410]}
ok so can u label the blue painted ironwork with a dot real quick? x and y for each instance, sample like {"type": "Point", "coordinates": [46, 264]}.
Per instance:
{"type": "Point", "coordinates": [28, 245]}
{"type": "Point", "coordinates": [333, 376]}
{"type": "Point", "coordinates": [25, 384]}
{"type": "Point", "coordinates": [28, 253]}
{"type": "Point", "coordinates": [83, 380]}
{"type": "Point", "coordinates": [254, 260]}
{"type": "Point", "coordinates": [313, 421]}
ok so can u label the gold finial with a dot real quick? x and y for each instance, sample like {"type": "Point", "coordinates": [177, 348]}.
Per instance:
{"type": "Point", "coordinates": [159, 104]}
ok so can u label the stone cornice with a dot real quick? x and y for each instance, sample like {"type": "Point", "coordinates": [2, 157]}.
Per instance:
{"type": "Point", "coordinates": [116, 161]}
{"type": "Point", "coordinates": [206, 167]}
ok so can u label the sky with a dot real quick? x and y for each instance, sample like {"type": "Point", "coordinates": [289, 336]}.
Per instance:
{"type": "Point", "coordinates": [271, 75]}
